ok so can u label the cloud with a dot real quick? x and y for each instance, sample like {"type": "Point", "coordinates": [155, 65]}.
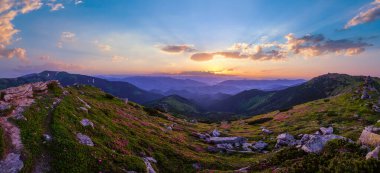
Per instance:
{"type": "Point", "coordinates": [77, 2]}
{"type": "Point", "coordinates": [308, 46]}
{"type": "Point", "coordinates": [177, 48]}
{"type": "Point", "coordinates": [118, 58]}
{"type": "Point", "coordinates": [104, 47]}
{"type": "Point", "coordinates": [368, 14]}
{"type": "Point", "coordinates": [55, 7]}
{"type": "Point", "coordinates": [52, 65]}
{"type": "Point", "coordinates": [67, 36]}
{"type": "Point", "coordinates": [15, 52]}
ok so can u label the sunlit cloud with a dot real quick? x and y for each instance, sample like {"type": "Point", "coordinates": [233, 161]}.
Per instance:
{"type": "Point", "coordinates": [118, 58]}
{"type": "Point", "coordinates": [177, 48]}
{"type": "Point", "coordinates": [66, 37]}
{"type": "Point", "coordinates": [51, 65]}
{"type": "Point", "coordinates": [77, 2]}
{"type": "Point", "coordinates": [55, 7]}
{"type": "Point", "coordinates": [367, 14]}
{"type": "Point", "coordinates": [307, 46]}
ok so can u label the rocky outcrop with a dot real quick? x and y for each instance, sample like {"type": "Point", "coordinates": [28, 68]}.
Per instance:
{"type": "Point", "coordinates": [84, 139]}
{"type": "Point", "coordinates": [373, 154]}
{"type": "Point", "coordinates": [266, 131]}
{"type": "Point", "coordinates": [148, 161]}
{"type": "Point", "coordinates": [86, 122]}
{"type": "Point", "coordinates": [11, 164]}
{"type": "Point", "coordinates": [368, 137]}
{"type": "Point", "coordinates": [326, 131]}
{"type": "Point", "coordinates": [215, 133]}
{"type": "Point", "coordinates": [285, 139]}
{"type": "Point", "coordinates": [227, 140]}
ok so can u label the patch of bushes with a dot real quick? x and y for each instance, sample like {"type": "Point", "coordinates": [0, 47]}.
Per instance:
{"type": "Point", "coordinates": [154, 112]}
{"type": "Point", "coordinates": [2, 95]}
{"type": "Point", "coordinates": [260, 121]}
{"type": "Point", "coordinates": [109, 96]}
{"type": "Point", "coordinates": [285, 109]}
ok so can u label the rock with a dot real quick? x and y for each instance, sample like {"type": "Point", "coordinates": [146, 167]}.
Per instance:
{"type": "Point", "coordinates": [86, 122]}
{"type": "Point", "coordinates": [84, 109]}
{"type": "Point", "coordinates": [316, 143]}
{"type": "Point", "coordinates": [225, 146]}
{"type": "Point", "coordinates": [126, 100]}
{"type": "Point", "coordinates": [376, 108]}
{"type": "Point", "coordinates": [169, 128]}
{"type": "Point", "coordinates": [285, 139]}
{"type": "Point", "coordinates": [85, 140]}
{"type": "Point", "coordinates": [11, 164]}
{"type": "Point", "coordinates": [260, 145]}
{"type": "Point", "coordinates": [364, 95]}
{"type": "Point", "coordinates": [372, 129]}
{"type": "Point", "coordinates": [356, 115]}
{"type": "Point", "coordinates": [246, 146]}
{"type": "Point", "coordinates": [326, 131]}
{"type": "Point", "coordinates": [266, 131]}
{"type": "Point", "coordinates": [229, 140]}
{"type": "Point", "coordinates": [147, 161]}
{"type": "Point", "coordinates": [47, 137]}
{"type": "Point", "coordinates": [242, 170]}
{"type": "Point", "coordinates": [215, 133]}
{"type": "Point", "coordinates": [369, 138]}
{"type": "Point", "coordinates": [373, 154]}
{"type": "Point", "coordinates": [197, 166]}
{"type": "Point", "coordinates": [194, 121]}
{"type": "Point", "coordinates": [85, 103]}
{"type": "Point", "coordinates": [212, 149]}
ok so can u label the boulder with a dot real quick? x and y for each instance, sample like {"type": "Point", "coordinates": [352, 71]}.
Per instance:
{"type": "Point", "coordinates": [369, 138]}
{"type": "Point", "coordinates": [373, 154]}
{"type": "Point", "coordinates": [215, 133]}
{"type": "Point", "coordinates": [260, 145]}
{"type": "Point", "coordinates": [228, 140]}
{"type": "Point", "coordinates": [47, 137]}
{"type": "Point", "coordinates": [85, 103]}
{"type": "Point", "coordinates": [266, 131]}
{"type": "Point", "coordinates": [84, 109]}
{"type": "Point", "coordinates": [213, 149]}
{"type": "Point", "coordinates": [147, 161]}
{"type": "Point", "coordinates": [285, 139]}
{"type": "Point", "coordinates": [364, 95]}
{"type": "Point", "coordinates": [246, 146]}
{"type": "Point", "coordinates": [225, 146]}
{"type": "Point", "coordinates": [376, 108]}
{"type": "Point", "coordinates": [11, 164]}
{"type": "Point", "coordinates": [326, 131]}
{"type": "Point", "coordinates": [84, 139]}
{"type": "Point", "coordinates": [315, 143]}
{"type": "Point", "coordinates": [86, 122]}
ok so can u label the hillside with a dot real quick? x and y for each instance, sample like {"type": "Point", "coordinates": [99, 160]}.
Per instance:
{"type": "Point", "coordinates": [175, 104]}
{"type": "Point", "coordinates": [82, 129]}
{"type": "Point", "coordinates": [119, 89]}
{"type": "Point", "coordinates": [257, 102]}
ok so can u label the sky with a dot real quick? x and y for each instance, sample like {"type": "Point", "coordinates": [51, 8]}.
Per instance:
{"type": "Point", "coordinates": [245, 38]}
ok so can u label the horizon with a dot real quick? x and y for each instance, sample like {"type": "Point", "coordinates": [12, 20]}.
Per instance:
{"type": "Point", "coordinates": [239, 39]}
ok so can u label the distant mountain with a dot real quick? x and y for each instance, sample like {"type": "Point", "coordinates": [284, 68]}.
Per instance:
{"type": "Point", "coordinates": [175, 104]}
{"type": "Point", "coordinates": [162, 83]}
{"type": "Point", "coordinates": [267, 85]}
{"type": "Point", "coordinates": [253, 102]}
{"type": "Point", "coordinates": [117, 88]}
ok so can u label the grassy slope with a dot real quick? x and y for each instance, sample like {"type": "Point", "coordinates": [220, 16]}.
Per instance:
{"type": "Point", "coordinates": [122, 134]}
{"type": "Point", "coordinates": [176, 104]}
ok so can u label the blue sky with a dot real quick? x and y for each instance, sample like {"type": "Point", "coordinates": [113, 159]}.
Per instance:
{"type": "Point", "coordinates": [164, 36]}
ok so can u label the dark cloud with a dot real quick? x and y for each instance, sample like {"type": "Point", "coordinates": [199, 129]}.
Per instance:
{"type": "Point", "coordinates": [178, 48]}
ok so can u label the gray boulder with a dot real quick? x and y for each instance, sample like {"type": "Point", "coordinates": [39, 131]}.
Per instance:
{"type": "Point", "coordinates": [148, 161]}
{"type": "Point", "coordinates": [315, 143]}
{"type": "Point", "coordinates": [225, 146]}
{"type": "Point", "coordinates": [326, 131]}
{"type": "Point", "coordinates": [266, 131]}
{"type": "Point", "coordinates": [373, 154]}
{"type": "Point", "coordinates": [260, 145]}
{"type": "Point", "coordinates": [229, 140]}
{"type": "Point", "coordinates": [11, 164]}
{"type": "Point", "coordinates": [285, 139]}
{"type": "Point", "coordinates": [215, 133]}
{"type": "Point", "coordinates": [86, 122]}
{"type": "Point", "coordinates": [84, 139]}
{"type": "Point", "coordinates": [367, 137]}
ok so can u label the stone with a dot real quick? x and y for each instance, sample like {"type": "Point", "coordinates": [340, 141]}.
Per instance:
{"type": "Point", "coordinates": [147, 161]}
{"type": "Point", "coordinates": [225, 146]}
{"type": "Point", "coordinates": [364, 95]}
{"type": "Point", "coordinates": [215, 133]}
{"type": "Point", "coordinates": [260, 145]}
{"type": "Point", "coordinates": [372, 129]}
{"type": "Point", "coordinates": [376, 108]}
{"type": "Point", "coordinates": [246, 146]}
{"type": "Point", "coordinates": [316, 143]}
{"type": "Point", "coordinates": [84, 139]}
{"type": "Point", "coordinates": [84, 109]}
{"type": "Point", "coordinates": [126, 100]}
{"type": "Point", "coordinates": [212, 149]}
{"type": "Point", "coordinates": [85, 103]}
{"type": "Point", "coordinates": [47, 137]}
{"type": "Point", "coordinates": [326, 131]}
{"type": "Point", "coordinates": [86, 122]}
{"type": "Point", "coordinates": [229, 140]}
{"type": "Point", "coordinates": [266, 131]}
{"type": "Point", "coordinates": [356, 115]}
{"type": "Point", "coordinates": [11, 164]}
{"type": "Point", "coordinates": [285, 139]}
{"type": "Point", "coordinates": [197, 166]}
{"type": "Point", "coordinates": [369, 138]}
{"type": "Point", "coordinates": [373, 154]}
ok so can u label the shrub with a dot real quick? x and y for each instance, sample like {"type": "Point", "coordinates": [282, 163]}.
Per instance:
{"type": "Point", "coordinates": [153, 112]}
{"type": "Point", "coordinates": [260, 121]}
{"type": "Point", "coordinates": [2, 95]}
{"type": "Point", "coordinates": [285, 109]}
{"type": "Point", "coordinates": [109, 96]}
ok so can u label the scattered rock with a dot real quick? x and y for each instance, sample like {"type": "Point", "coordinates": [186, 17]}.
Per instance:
{"type": "Point", "coordinates": [85, 103]}
{"type": "Point", "coordinates": [243, 170]}
{"type": "Point", "coordinates": [85, 140]}
{"type": "Point", "coordinates": [260, 145]}
{"type": "Point", "coordinates": [147, 161]}
{"type": "Point", "coordinates": [356, 115]}
{"type": "Point", "coordinates": [246, 146]}
{"type": "Point", "coordinates": [228, 140]}
{"type": "Point", "coordinates": [266, 131]}
{"type": "Point", "coordinates": [47, 137]}
{"type": "Point", "coordinates": [225, 146]}
{"type": "Point", "coordinates": [197, 166]}
{"type": "Point", "coordinates": [373, 154]}
{"type": "Point", "coordinates": [11, 164]}
{"type": "Point", "coordinates": [376, 108]}
{"type": "Point", "coordinates": [315, 143]}
{"type": "Point", "coordinates": [367, 137]}
{"type": "Point", "coordinates": [84, 109]}
{"type": "Point", "coordinates": [215, 133]}
{"type": "Point", "coordinates": [126, 100]}
{"type": "Point", "coordinates": [86, 122]}
{"type": "Point", "coordinates": [285, 139]}
{"type": "Point", "coordinates": [213, 149]}
{"type": "Point", "coordinates": [326, 131]}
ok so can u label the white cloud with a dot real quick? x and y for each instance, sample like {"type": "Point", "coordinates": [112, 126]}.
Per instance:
{"type": "Point", "coordinates": [368, 14]}
{"type": "Point", "coordinates": [55, 7]}
{"type": "Point", "coordinates": [118, 58]}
